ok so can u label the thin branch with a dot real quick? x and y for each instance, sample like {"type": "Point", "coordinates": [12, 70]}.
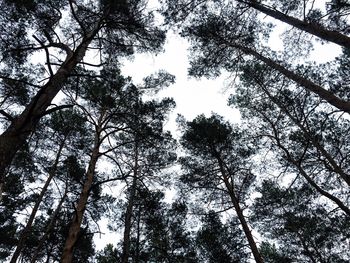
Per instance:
{"type": "Point", "coordinates": [92, 65]}
{"type": "Point", "coordinates": [21, 81]}
{"type": "Point", "coordinates": [76, 17]}
{"type": "Point", "coordinates": [110, 180]}
{"type": "Point", "coordinates": [47, 54]}
{"type": "Point", "coordinates": [49, 111]}
{"type": "Point", "coordinates": [7, 115]}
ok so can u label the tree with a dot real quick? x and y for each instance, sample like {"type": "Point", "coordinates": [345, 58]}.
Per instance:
{"type": "Point", "coordinates": [108, 255]}
{"type": "Point", "coordinates": [302, 227]}
{"type": "Point", "coordinates": [112, 29]}
{"type": "Point", "coordinates": [66, 127]}
{"type": "Point", "coordinates": [218, 162]}
{"type": "Point", "coordinates": [103, 102]}
{"type": "Point", "coordinates": [225, 35]}
{"type": "Point", "coordinates": [309, 139]}
{"type": "Point", "coordinates": [310, 20]}
{"type": "Point", "coordinates": [159, 231]}
{"type": "Point", "coordinates": [119, 119]}
{"type": "Point", "coordinates": [220, 242]}
{"type": "Point", "coordinates": [152, 150]}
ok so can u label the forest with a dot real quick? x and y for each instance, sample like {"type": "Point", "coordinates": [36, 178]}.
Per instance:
{"type": "Point", "coordinates": [83, 148]}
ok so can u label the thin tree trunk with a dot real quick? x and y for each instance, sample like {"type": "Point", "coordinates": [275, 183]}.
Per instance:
{"type": "Point", "coordinates": [308, 84]}
{"type": "Point", "coordinates": [27, 229]}
{"type": "Point", "coordinates": [129, 210]}
{"type": "Point", "coordinates": [310, 27]}
{"type": "Point", "coordinates": [49, 227]}
{"type": "Point", "coordinates": [240, 215]}
{"type": "Point", "coordinates": [74, 229]}
{"type": "Point", "coordinates": [244, 225]}
{"type": "Point", "coordinates": [326, 194]}
{"type": "Point", "coordinates": [12, 139]}
{"type": "Point", "coordinates": [138, 233]}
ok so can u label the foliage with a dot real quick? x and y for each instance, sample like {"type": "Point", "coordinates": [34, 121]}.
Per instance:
{"type": "Point", "coordinates": [102, 152]}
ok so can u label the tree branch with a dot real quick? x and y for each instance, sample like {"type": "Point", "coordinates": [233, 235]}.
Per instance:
{"type": "Point", "coordinates": [76, 17]}
{"type": "Point", "coordinates": [21, 81]}
{"type": "Point", "coordinates": [49, 111]}
{"type": "Point", "coordinates": [47, 54]}
{"type": "Point", "coordinates": [7, 115]}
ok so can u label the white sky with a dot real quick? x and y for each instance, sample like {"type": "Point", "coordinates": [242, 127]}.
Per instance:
{"type": "Point", "coordinates": [192, 96]}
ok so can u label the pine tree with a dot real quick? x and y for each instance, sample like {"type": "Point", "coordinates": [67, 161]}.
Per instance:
{"type": "Point", "coordinates": [113, 29]}
{"type": "Point", "coordinates": [218, 163]}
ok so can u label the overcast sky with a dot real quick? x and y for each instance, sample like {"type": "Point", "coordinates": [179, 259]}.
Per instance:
{"type": "Point", "coordinates": [194, 96]}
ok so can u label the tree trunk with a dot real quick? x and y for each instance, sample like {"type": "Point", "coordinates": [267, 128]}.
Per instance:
{"type": "Point", "coordinates": [326, 194]}
{"type": "Point", "coordinates": [240, 215]}
{"type": "Point", "coordinates": [138, 234]}
{"type": "Point", "coordinates": [309, 85]}
{"type": "Point", "coordinates": [310, 27]}
{"type": "Point", "coordinates": [74, 229]}
{"type": "Point", "coordinates": [245, 226]}
{"type": "Point", "coordinates": [49, 227]}
{"type": "Point", "coordinates": [28, 227]}
{"type": "Point", "coordinates": [12, 139]}
{"type": "Point", "coordinates": [129, 210]}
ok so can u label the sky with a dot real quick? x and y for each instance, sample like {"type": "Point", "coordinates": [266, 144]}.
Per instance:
{"type": "Point", "coordinates": [192, 96]}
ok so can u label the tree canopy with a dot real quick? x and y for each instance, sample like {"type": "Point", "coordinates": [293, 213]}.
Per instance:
{"type": "Point", "coordinates": [83, 148]}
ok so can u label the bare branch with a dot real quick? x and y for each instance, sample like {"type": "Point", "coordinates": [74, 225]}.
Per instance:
{"type": "Point", "coordinates": [49, 111]}
{"type": "Point", "coordinates": [7, 115]}
{"type": "Point", "coordinates": [76, 17]}
{"type": "Point", "coordinates": [21, 81]}
{"type": "Point", "coordinates": [47, 54]}
{"type": "Point", "coordinates": [92, 65]}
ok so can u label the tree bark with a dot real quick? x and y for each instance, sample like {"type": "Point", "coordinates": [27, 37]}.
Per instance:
{"type": "Point", "coordinates": [12, 139]}
{"type": "Point", "coordinates": [74, 229]}
{"type": "Point", "coordinates": [308, 84]}
{"type": "Point", "coordinates": [310, 27]}
{"type": "Point", "coordinates": [138, 234]}
{"type": "Point", "coordinates": [129, 210]}
{"type": "Point", "coordinates": [240, 215]}
{"type": "Point", "coordinates": [28, 227]}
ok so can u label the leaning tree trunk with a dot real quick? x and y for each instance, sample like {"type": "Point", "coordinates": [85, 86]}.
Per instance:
{"type": "Point", "coordinates": [328, 96]}
{"type": "Point", "coordinates": [27, 229]}
{"type": "Point", "coordinates": [239, 212]}
{"type": "Point", "coordinates": [74, 229]}
{"type": "Point", "coordinates": [244, 224]}
{"type": "Point", "coordinates": [310, 27]}
{"type": "Point", "coordinates": [129, 210]}
{"type": "Point", "coordinates": [323, 192]}
{"type": "Point", "coordinates": [49, 227]}
{"type": "Point", "coordinates": [12, 139]}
